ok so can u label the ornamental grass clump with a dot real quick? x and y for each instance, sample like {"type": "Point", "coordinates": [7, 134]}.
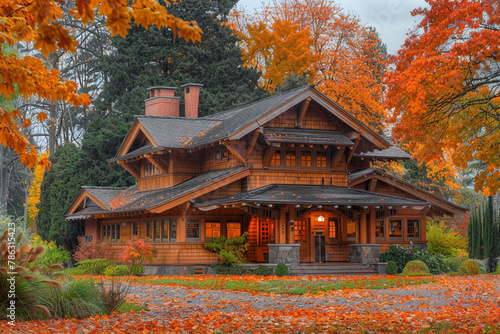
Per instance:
{"type": "Point", "coordinates": [416, 267]}
{"type": "Point", "coordinates": [469, 267]}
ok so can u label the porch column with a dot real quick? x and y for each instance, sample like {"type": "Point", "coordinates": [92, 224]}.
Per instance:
{"type": "Point", "coordinates": [281, 224]}
{"type": "Point", "coordinates": [371, 226]}
{"type": "Point", "coordinates": [291, 216]}
{"type": "Point", "coordinates": [181, 224]}
{"type": "Point", "coordinates": [363, 228]}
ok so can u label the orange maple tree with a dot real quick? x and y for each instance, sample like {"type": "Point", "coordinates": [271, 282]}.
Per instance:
{"type": "Point", "coordinates": [41, 22]}
{"type": "Point", "coordinates": [316, 38]}
{"type": "Point", "coordinates": [444, 90]}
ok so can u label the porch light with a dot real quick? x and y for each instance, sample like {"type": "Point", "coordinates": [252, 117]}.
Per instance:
{"type": "Point", "coordinates": [258, 205]}
{"type": "Point", "coordinates": [320, 206]}
{"type": "Point", "coordinates": [349, 206]}
{"type": "Point", "coordinates": [297, 206]}
{"type": "Point", "coordinates": [321, 218]}
{"type": "Point", "coordinates": [270, 205]}
{"type": "Point", "coordinates": [405, 206]}
{"type": "Point", "coordinates": [365, 207]}
{"type": "Point", "coordinates": [336, 206]}
{"type": "Point", "coordinates": [389, 207]}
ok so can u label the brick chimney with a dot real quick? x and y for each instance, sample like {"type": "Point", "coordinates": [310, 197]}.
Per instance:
{"type": "Point", "coordinates": [162, 102]}
{"type": "Point", "coordinates": [191, 99]}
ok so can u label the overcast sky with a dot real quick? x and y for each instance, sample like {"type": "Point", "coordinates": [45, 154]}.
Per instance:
{"type": "Point", "coordinates": [392, 18]}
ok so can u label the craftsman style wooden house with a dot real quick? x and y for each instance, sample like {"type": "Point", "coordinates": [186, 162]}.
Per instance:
{"type": "Point", "coordinates": [293, 168]}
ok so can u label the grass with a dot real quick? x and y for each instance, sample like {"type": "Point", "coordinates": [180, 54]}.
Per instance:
{"type": "Point", "coordinates": [131, 307]}
{"type": "Point", "coordinates": [290, 287]}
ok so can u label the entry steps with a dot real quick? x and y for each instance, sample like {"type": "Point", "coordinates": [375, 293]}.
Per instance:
{"type": "Point", "coordinates": [342, 269]}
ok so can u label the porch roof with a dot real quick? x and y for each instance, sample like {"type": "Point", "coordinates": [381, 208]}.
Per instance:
{"type": "Point", "coordinates": [305, 136]}
{"type": "Point", "coordinates": [309, 194]}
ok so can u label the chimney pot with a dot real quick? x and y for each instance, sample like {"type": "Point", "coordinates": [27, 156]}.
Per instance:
{"type": "Point", "coordinates": [191, 99]}
{"type": "Point", "coordinates": [162, 102]}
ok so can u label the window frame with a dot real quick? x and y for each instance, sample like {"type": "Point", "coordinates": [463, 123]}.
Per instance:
{"type": "Point", "coordinates": [193, 221]}
{"type": "Point", "coordinates": [335, 222]}
{"type": "Point", "coordinates": [390, 226]}
{"type": "Point", "coordinates": [221, 154]}
{"type": "Point", "coordinates": [418, 234]}
{"type": "Point", "coordinates": [383, 228]}
{"type": "Point", "coordinates": [212, 221]}
{"type": "Point", "coordinates": [302, 155]}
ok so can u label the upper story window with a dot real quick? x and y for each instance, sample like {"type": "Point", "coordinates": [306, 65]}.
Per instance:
{"type": "Point", "coordinates": [291, 159]}
{"type": "Point", "coordinates": [150, 169]}
{"type": "Point", "coordinates": [276, 160]}
{"type": "Point", "coordinates": [221, 154]}
{"type": "Point", "coordinates": [321, 159]}
{"type": "Point", "coordinates": [306, 159]}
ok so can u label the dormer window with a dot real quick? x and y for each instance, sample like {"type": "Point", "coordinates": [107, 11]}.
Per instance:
{"type": "Point", "coordinates": [221, 154]}
{"type": "Point", "coordinates": [276, 160]}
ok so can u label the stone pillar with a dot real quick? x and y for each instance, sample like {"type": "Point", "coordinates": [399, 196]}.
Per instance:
{"type": "Point", "coordinates": [288, 254]}
{"type": "Point", "coordinates": [364, 253]}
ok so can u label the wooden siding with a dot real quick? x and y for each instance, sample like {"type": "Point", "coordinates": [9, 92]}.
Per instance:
{"type": "Point", "coordinates": [208, 162]}
{"type": "Point", "coordinates": [260, 178]}
{"type": "Point", "coordinates": [91, 228]}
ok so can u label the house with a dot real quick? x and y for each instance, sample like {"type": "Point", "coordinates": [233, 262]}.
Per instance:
{"type": "Point", "coordinates": [294, 170]}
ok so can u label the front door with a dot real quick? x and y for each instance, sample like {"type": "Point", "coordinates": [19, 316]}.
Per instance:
{"type": "Point", "coordinates": [319, 246]}
{"type": "Point", "coordinates": [301, 234]}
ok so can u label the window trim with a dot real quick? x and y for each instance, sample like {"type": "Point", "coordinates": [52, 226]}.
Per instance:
{"type": "Point", "coordinates": [193, 221]}
{"type": "Point", "coordinates": [419, 228]}
{"type": "Point", "coordinates": [333, 221]}
{"type": "Point", "coordinates": [348, 238]}
{"type": "Point", "coordinates": [396, 238]}
{"type": "Point", "coordinates": [221, 154]}
{"type": "Point", "coordinates": [384, 229]}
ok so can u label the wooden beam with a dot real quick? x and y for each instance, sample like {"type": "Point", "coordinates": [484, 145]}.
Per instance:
{"type": "Point", "coordinates": [302, 112]}
{"type": "Point", "coordinates": [337, 157]}
{"type": "Point", "coordinates": [353, 149]}
{"type": "Point", "coordinates": [252, 144]}
{"type": "Point", "coordinates": [159, 163]}
{"type": "Point", "coordinates": [373, 185]}
{"type": "Point", "coordinates": [132, 170]}
{"type": "Point", "coordinates": [268, 154]}
{"type": "Point", "coordinates": [235, 151]}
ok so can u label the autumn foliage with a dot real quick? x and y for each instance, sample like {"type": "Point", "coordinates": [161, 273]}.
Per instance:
{"type": "Point", "coordinates": [138, 251]}
{"type": "Point", "coordinates": [316, 39]}
{"type": "Point", "coordinates": [34, 192]}
{"type": "Point", "coordinates": [445, 93]}
{"type": "Point", "coordinates": [39, 22]}
{"type": "Point", "coordinates": [89, 250]}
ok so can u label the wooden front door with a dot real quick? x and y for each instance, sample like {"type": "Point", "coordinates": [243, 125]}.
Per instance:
{"type": "Point", "coordinates": [301, 236]}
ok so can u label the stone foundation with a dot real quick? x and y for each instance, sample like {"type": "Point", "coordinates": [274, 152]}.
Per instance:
{"type": "Point", "coordinates": [284, 253]}
{"type": "Point", "coordinates": [364, 253]}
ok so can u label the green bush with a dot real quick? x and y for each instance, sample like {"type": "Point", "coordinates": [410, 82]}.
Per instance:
{"type": "Point", "coordinates": [435, 263]}
{"type": "Point", "coordinates": [282, 270]}
{"type": "Point", "coordinates": [230, 250]}
{"type": "Point", "coordinates": [469, 267]}
{"type": "Point", "coordinates": [120, 270]}
{"type": "Point", "coordinates": [137, 269]}
{"type": "Point", "coordinates": [452, 264]}
{"type": "Point", "coordinates": [481, 265]}
{"type": "Point", "coordinates": [53, 253]}
{"type": "Point", "coordinates": [231, 269]}
{"type": "Point", "coordinates": [263, 270]}
{"type": "Point", "coordinates": [398, 254]}
{"type": "Point", "coordinates": [391, 268]}
{"type": "Point", "coordinates": [94, 266]}
{"type": "Point", "coordinates": [416, 267]}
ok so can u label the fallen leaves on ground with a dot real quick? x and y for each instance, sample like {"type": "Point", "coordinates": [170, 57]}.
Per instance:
{"type": "Point", "coordinates": [450, 304]}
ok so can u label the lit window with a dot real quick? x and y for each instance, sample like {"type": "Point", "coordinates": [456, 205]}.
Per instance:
{"type": "Point", "coordinates": [396, 228]}
{"type": "Point", "coordinates": [276, 161]}
{"type": "Point", "coordinates": [321, 159]}
{"type": "Point", "coordinates": [306, 159]}
{"type": "Point", "coordinates": [212, 230]}
{"type": "Point", "coordinates": [233, 229]}
{"type": "Point", "coordinates": [333, 229]}
{"type": "Point", "coordinates": [290, 158]}
{"type": "Point", "coordinates": [165, 230]}
{"type": "Point", "coordinates": [221, 154]}
{"type": "Point", "coordinates": [413, 228]}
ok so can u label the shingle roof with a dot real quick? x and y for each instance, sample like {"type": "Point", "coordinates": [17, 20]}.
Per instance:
{"type": "Point", "coordinates": [393, 152]}
{"type": "Point", "coordinates": [132, 154]}
{"type": "Point", "coordinates": [130, 199]}
{"type": "Point", "coordinates": [308, 194]}
{"type": "Point", "coordinates": [303, 136]}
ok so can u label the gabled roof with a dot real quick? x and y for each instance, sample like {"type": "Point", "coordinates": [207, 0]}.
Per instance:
{"type": "Point", "coordinates": [179, 132]}
{"type": "Point", "coordinates": [370, 173]}
{"type": "Point", "coordinates": [309, 194]}
{"type": "Point", "coordinates": [391, 153]}
{"type": "Point", "coordinates": [305, 136]}
{"type": "Point", "coordinates": [130, 199]}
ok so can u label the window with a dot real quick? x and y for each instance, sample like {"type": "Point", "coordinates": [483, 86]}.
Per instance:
{"type": "Point", "coordinates": [233, 229]}
{"type": "Point", "coordinates": [413, 228]}
{"type": "Point", "coordinates": [111, 232]}
{"type": "Point", "coordinates": [333, 228]}
{"type": "Point", "coordinates": [351, 230]}
{"type": "Point", "coordinates": [221, 154]}
{"type": "Point", "coordinates": [266, 231]}
{"type": "Point", "coordinates": [291, 158]}
{"type": "Point", "coordinates": [212, 230]}
{"type": "Point", "coordinates": [150, 169]}
{"type": "Point", "coordinates": [157, 235]}
{"type": "Point", "coordinates": [321, 159]}
{"type": "Point", "coordinates": [135, 230]}
{"type": "Point", "coordinates": [164, 224]}
{"type": "Point", "coordinates": [380, 229]}
{"type": "Point", "coordinates": [396, 229]}
{"type": "Point", "coordinates": [193, 230]}
{"type": "Point", "coordinates": [172, 224]}
{"type": "Point", "coordinates": [149, 230]}
{"type": "Point", "coordinates": [306, 159]}
{"type": "Point", "coordinates": [276, 160]}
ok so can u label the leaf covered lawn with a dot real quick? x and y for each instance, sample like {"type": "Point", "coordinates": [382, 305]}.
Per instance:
{"type": "Point", "coordinates": [211, 304]}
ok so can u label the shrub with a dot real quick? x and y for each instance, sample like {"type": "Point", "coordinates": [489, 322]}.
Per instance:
{"type": "Point", "coordinates": [415, 267]}
{"type": "Point", "coordinates": [137, 270]}
{"type": "Point", "coordinates": [263, 270]}
{"type": "Point", "coordinates": [53, 253]}
{"type": "Point", "coordinates": [435, 263]}
{"type": "Point", "coordinates": [230, 250]}
{"type": "Point", "coordinates": [481, 265]}
{"type": "Point", "coordinates": [89, 250]}
{"type": "Point", "coordinates": [229, 269]}
{"type": "Point", "coordinates": [120, 270]}
{"type": "Point", "coordinates": [138, 251]}
{"type": "Point", "coordinates": [452, 264]}
{"type": "Point", "coordinates": [442, 240]}
{"type": "Point", "coordinates": [94, 266]}
{"type": "Point", "coordinates": [469, 267]}
{"type": "Point", "coordinates": [113, 293]}
{"type": "Point", "coordinates": [282, 270]}
{"type": "Point", "coordinates": [398, 254]}
{"type": "Point", "coordinates": [391, 268]}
